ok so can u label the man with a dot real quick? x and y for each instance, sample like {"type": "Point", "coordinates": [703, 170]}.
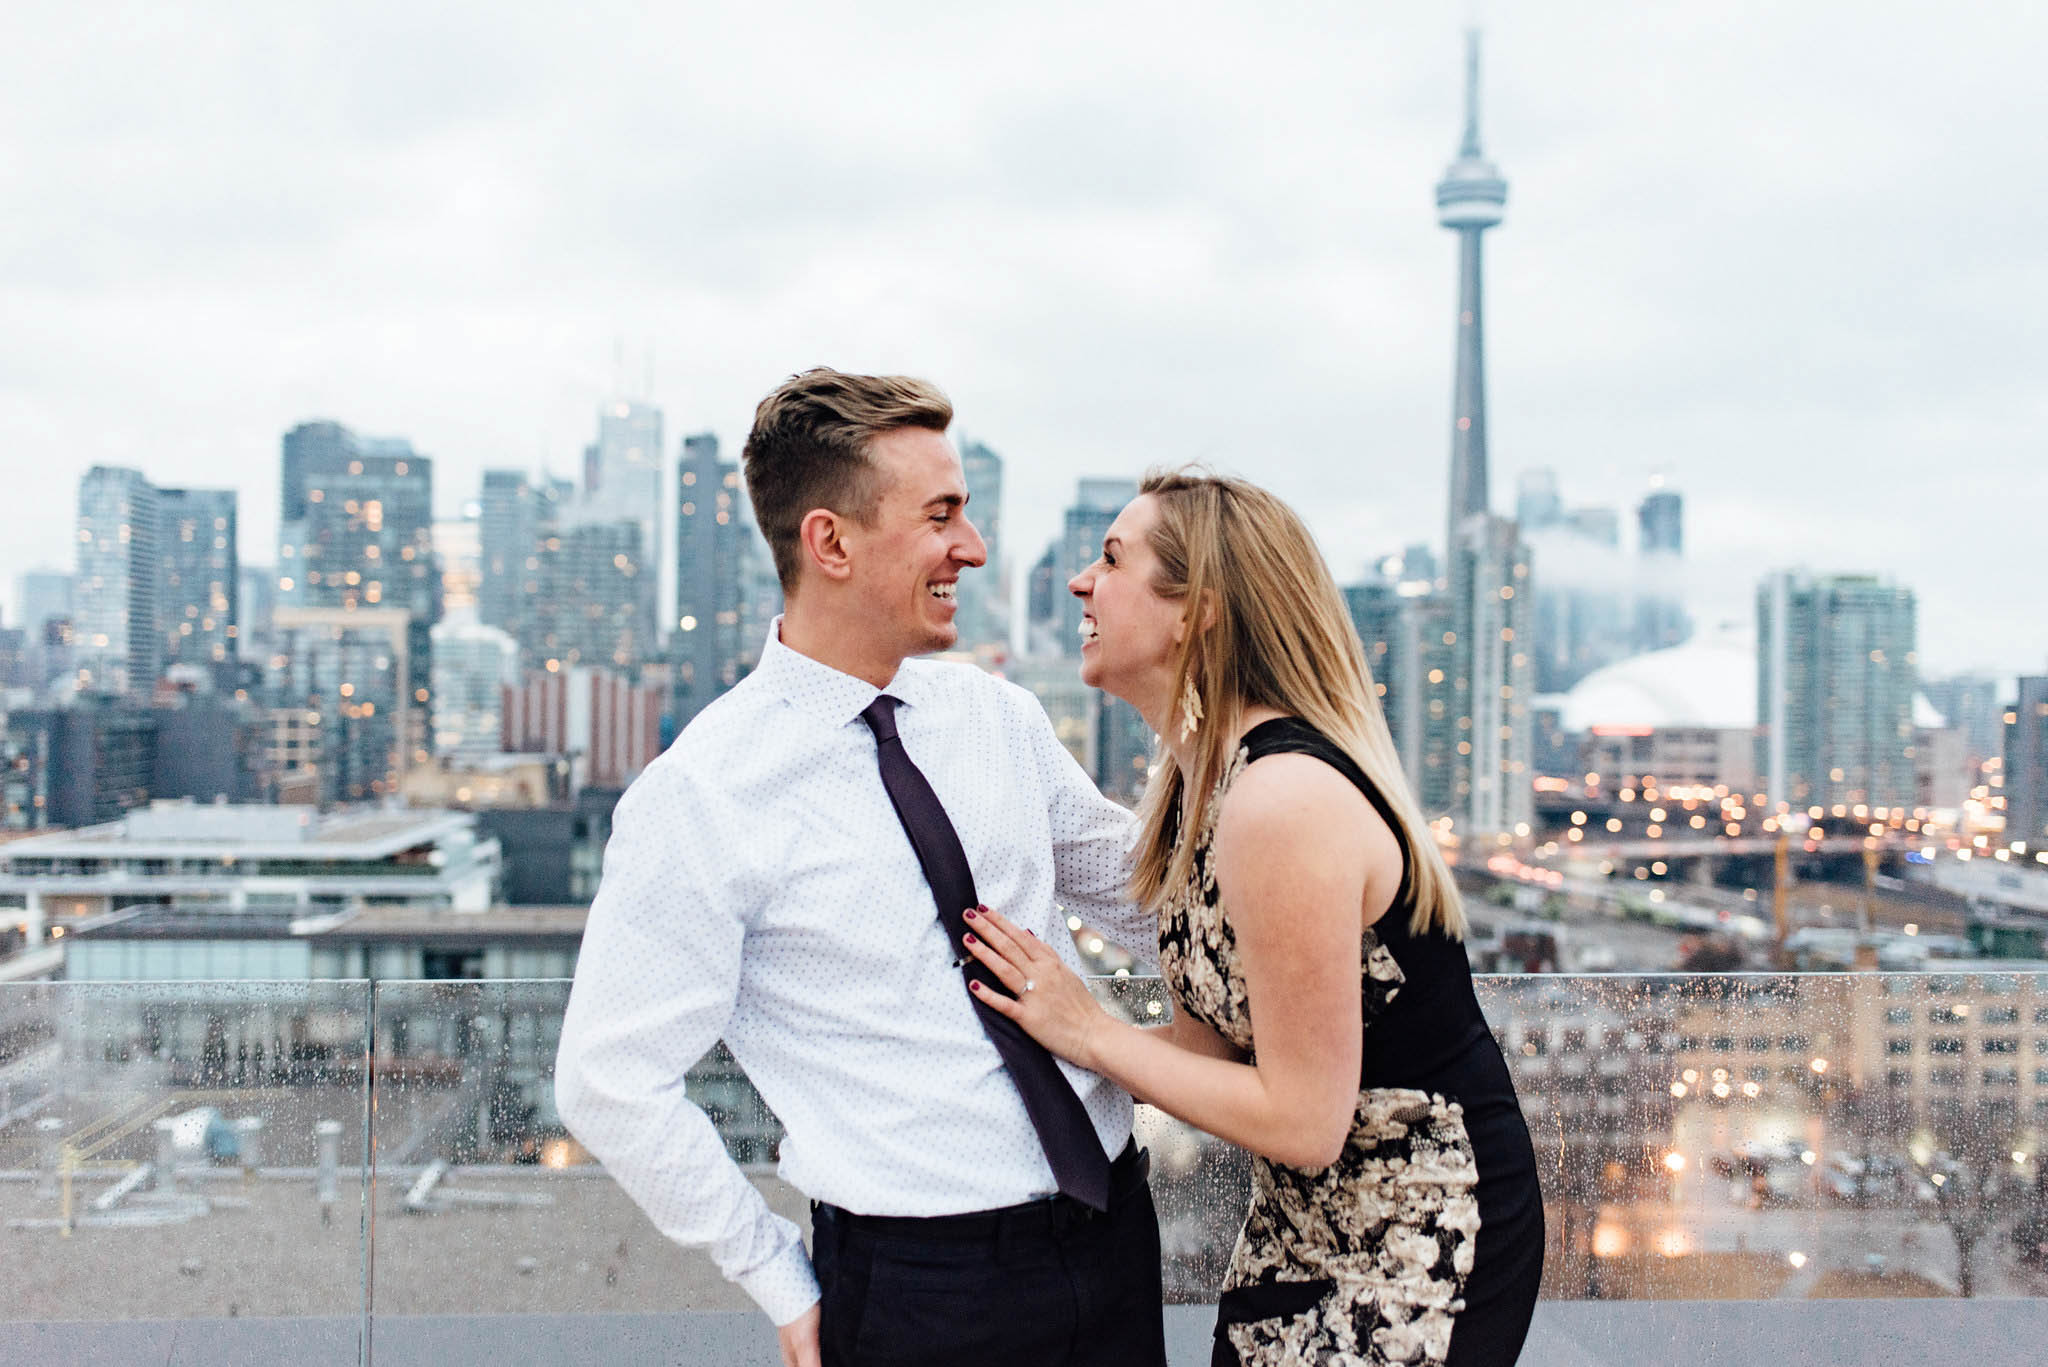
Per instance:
{"type": "Point", "coordinates": [780, 879]}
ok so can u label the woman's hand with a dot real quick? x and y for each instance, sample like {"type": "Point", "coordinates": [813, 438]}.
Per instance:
{"type": "Point", "coordinates": [1046, 997]}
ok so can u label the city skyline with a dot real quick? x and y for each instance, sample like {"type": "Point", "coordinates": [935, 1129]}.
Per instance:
{"type": "Point", "coordinates": [1797, 328]}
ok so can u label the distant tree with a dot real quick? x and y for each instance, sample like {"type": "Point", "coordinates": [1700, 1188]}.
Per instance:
{"type": "Point", "coordinates": [1974, 1182]}
{"type": "Point", "coordinates": [2030, 1235]}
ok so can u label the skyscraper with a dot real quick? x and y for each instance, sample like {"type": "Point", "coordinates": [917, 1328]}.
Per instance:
{"type": "Point", "coordinates": [201, 581]}
{"type": "Point", "coordinates": [1043, 590]}
{"type": "Point", "coordinates": [511, 515]}
{"type": "Point", "coordinates": [984, 616]}
{"type": "Point", "coordinates": [1085, 523]}
{"type": "Point", "coordinates": [589, 604]}
{"type": "Point", "coordinates": [255, 601]}
{"type": "Point", "coordinates": [1408, 631]}
{"type": "Point", "coordinates": [362, 542]}
{"type": "Point", "coordinates": [349, 674]}
{"type": "Point", "coordinates": [1492, 686]}
{"type": "Point", "coordinates": [1969, 703]}
{"type": "Point", "coordinates": [1537, 504]}
{"type": "Point", "coordinates": [1836, 673]}
{"type": "Point", "coordinates": [1661, 521]}
{"type": "Point", "coordinates": [118, 648]}
{"type": "Point", "coordinates": [1661, 619]}
{"type": "Point", "coordinates": [311, 446]}
{"type": "Point", "coordinates": [1469, 199]}
{"type": "Point", "coordinates": [458, 551]}
{"type": "Point", "coordinates": [1121, 742]}
{"type": "Point", "coordinates": [1601, 526]}
{"type": "Point", "coordinates": [473, 665]}
{"type": "Point", "coordinates": [1582, 609]}
{"type": "Point", "coordinates": [45, 600]}
{"type": "Point", "coordinates": [712, 542]}
{"type": "Point", "coordinates": [622, 472]}
{"type": "Point", "coordinates": [2026, 766]}
{"type": "Point", "coordinates": [43, 594]}
{"type": "Point", "coordinates": [504, 539]}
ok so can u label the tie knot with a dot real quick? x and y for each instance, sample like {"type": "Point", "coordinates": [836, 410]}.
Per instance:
{"type": "Point", "coordinates": [880, 715]}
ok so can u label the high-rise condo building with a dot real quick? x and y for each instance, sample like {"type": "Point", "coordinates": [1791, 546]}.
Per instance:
{"type": "Point", "coordinates": [984, 616]}
{"type": "Point", "coordinates": [1407, 650]}
{"type": "Point", "coordinates": [1582, 609]}
{"type": "Point", "coordinates": [1492, 685]}
{"type": "Point", "coordinates": [45, 599]}
{"type": "Point", "coordinates": [589, 605]}
{"type": "Point", "coordinates": [1836, 674]}
{"type": "Point", "coordinates": [622, 481]}
{"type": "Point", "coordinates": [510, 515]}
{"type": "Point", "coordinates": [1121, 741]}
{"type": "Point", "coordinates": [1661, 618]}
{"type": "Point", "coordinates": [1537, 504]}
{"type": "Point", "coordinates": [43, 594]}
{"type": "Point", "coordinates": [114, 627]}
{"type": "Point", "coordinates": [458, 551]}
{"type": "Point", "coordinates": [2026, 767]}
{"type": "Point", "coordinates": [473, 665]}
{"type": "Point", "coordinates": [1085, 523]}
{"type": "Point", "coordinates": [197, 611]}
{"type": "Point", "coordinates": [1043, 590]}
{"type": "Point", "coordinates": [357, 538]}
{"type": "Point", "coordinates": [348, 701]}
{"type": "Point", "coordinates": [714, 538]}
{"type": "Point", "coordinates": [1969, 703]}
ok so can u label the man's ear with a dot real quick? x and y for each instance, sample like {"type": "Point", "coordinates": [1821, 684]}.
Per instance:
{"type": "Point", "coordinates": [822, 535]}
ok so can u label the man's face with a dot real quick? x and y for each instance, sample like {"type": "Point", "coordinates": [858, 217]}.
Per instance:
{"type": "Point", "coordinates": [906, 567]}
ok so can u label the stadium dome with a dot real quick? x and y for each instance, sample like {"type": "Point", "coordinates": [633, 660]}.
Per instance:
{"type": "Point", "coordinates": [1704, 684]}
{"type": "Point", "coordinates": [1708, 683]}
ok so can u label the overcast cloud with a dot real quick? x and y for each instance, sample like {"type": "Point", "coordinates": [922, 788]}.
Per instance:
{"type": "Point", "coordinates": [1792, 256]}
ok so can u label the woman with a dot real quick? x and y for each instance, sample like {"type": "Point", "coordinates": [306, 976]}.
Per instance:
{"type": "Point", "coordinates": [1395, 1214]}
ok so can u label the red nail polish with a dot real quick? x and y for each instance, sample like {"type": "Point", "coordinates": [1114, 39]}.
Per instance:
{"type": "Point", "coordinates": [973, 986]}
{"type": "Point", "coordinates": [969, 913]}
{"type": "Point", "coordinates": [969, 938]}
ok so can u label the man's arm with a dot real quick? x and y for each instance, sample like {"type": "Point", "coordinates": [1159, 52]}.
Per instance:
{"type": "Point", "coordinates": [1090, 840]}
{"type": "Point", "coordinates": [655, 986]}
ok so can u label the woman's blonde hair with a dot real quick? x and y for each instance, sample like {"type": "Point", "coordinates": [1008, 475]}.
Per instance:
{"type": "Point", "coordinates": [1277, 634]}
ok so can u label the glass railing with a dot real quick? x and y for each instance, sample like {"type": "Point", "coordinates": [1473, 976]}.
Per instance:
{"type": "Point", "coordinates": [334, 1152]}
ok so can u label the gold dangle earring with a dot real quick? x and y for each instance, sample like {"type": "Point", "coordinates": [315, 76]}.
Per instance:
{"type": "Point", "coordinates": [1190, 707]}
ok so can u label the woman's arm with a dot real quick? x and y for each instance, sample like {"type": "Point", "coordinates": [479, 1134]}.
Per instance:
{"type": "Point", "coordinates": [1185, 1032]}
{"type": "Point", "coordinates": [1300, 855]}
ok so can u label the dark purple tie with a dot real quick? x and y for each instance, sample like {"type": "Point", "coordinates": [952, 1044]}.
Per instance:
{"type": "Point", "coordinates": [1064, 1130]}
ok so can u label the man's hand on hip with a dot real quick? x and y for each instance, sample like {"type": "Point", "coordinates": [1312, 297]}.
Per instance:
{"type": "Point", "coordinates": [799, 1339]}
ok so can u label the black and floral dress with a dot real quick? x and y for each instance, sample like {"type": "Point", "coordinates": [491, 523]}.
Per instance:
{"type": "Point", "coordinates": [1423, 1242]}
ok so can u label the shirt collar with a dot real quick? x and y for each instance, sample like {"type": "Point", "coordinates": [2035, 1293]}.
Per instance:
{"type": "Point", "coordinates": [829, 694]}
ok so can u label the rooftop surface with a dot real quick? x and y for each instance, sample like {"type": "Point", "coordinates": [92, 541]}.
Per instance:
{"type": "Point", "coordinates": [187, 830]}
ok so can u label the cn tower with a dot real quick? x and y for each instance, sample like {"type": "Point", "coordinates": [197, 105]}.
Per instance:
{"type": "Point", "coordinates": [1469, 200]}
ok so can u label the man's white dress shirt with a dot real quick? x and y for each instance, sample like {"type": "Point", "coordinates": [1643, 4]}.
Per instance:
{"type": "Point", "coordinates": [759, 888]}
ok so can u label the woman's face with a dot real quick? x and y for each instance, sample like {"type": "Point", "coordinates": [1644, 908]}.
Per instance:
{"type": "Point", "coordinates": [1130, 634]}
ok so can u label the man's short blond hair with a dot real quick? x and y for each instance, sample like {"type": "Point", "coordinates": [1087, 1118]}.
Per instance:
{"type": "Point", "coordinates": [809, 449]}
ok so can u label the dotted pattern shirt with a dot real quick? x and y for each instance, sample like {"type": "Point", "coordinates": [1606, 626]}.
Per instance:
{"type": "Point", "coordinates": [759, 888]}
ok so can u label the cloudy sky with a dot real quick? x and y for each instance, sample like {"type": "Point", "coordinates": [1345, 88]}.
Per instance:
{"type": "Point", "coordinates": [1791, 257]}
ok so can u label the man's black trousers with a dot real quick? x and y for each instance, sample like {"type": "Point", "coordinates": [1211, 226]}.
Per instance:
{"type": "Point", "coordinates": [1044, 1284]}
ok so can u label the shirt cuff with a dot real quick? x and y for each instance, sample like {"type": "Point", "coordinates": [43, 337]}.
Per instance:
{"type": "Point", "coordinates": [784, 1286]}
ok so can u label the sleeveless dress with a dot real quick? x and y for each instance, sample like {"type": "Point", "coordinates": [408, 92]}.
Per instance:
{"type": "Point", "coordinates": [1423, 1242]}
